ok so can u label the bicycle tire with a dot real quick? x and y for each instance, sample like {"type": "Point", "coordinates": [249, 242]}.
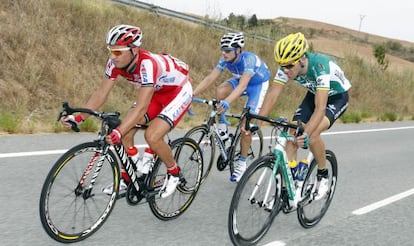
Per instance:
{"type": "Point", "coordinates": [69, 211]}
{"type": "Point", "coordinates": [249, 219]}
{"type": "Point", "coordinates": [311, 213]}
{"type": "Point", "coordinates": [253, 152]}
{"type": "Point", "coordinates": [207, 146]}
{"type": "Point", "coordinates": [190, 160]}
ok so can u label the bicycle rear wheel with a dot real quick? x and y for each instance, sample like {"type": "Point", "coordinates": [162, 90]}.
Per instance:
{"type": "Point", "coordinates": [255, 149]}
{"type": "Point", "coordinates": [190, 160]}
{"type": "Point", "coordinates": [310, 211]}
{"type": "Point", "coordinates": [250, 216]}
{"type": "Point", "coordinates": [207, 146]}
{"type": "Point", "coordinates": [72, 205]}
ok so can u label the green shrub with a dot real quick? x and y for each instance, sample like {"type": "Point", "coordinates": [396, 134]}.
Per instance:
{"type": "Point", "coordinates": [351, 117]}
{"type": "Point", "coordinates": [9, 122]}
{"type": "Point", "coordinates": [388, 116]}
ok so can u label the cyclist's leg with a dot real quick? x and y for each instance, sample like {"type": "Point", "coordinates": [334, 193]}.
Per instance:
{"type": "Point", "coordinates": [176, 106]}
{"type": "Point", "coordinates": [256, 92]}
{"type": "Point", "coordinates": [225, 88]}
{"type": "Point", "coordinates": [128, 137]}
{"type": "Point", "coordinates": [128, 141]}
{"type": "Point", "coordinates": [303, 113]}
{"type": "Point", "coordinates": [164, 119]}
{"type": "Point", "coordinates": [335, 107]}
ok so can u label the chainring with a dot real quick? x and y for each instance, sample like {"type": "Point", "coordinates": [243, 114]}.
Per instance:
{"type": "Point", "coordinates": [133, 197]}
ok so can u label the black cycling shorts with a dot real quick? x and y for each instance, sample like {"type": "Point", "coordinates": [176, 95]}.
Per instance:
{"type": "Point", "coordinates": [336, 106]}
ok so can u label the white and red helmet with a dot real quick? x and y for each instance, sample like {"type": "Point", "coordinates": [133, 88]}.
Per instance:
{"type": "Point", "coordinates": [124, 35]}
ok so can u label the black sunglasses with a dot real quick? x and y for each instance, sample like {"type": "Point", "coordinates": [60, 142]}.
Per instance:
{"type": "Point", "coordinates": [288, 67]}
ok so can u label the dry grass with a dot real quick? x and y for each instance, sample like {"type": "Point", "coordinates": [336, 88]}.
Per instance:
{"type": "Point", "coordinates": [54, 50]}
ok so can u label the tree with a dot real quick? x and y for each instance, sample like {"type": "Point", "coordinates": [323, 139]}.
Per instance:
{"type": "Point", "coordinates": [379, 53]}
{"type": "Point", "coordinates": [252, 22]}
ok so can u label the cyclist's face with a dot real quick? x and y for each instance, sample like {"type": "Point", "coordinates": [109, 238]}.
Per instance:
{"type": "Point", "coordinates": [120, 55]}
{"type": "Point", "coordinates": [229, 54]}
{"type": "Point", "coordinates": [292, 70]}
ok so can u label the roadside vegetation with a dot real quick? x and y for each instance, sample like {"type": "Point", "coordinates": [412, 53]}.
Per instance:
{"type": "Point", "coordinates": [54, 51]}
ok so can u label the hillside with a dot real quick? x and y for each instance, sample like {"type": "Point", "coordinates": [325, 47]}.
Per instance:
{"type": "Point", "coordinates": [54, 51]}
{"type": "Point", "coordinates": [339, 41]}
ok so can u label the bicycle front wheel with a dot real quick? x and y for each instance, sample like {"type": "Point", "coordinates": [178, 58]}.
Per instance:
{"type": "Point", "coordinates": [72, 205]}
{"type": "Point", "coordinates": [207, 146]}
{"type": "Point", "coordinates": [255, 202]}
{"type": "Point", "coordinates": [255, 149]}
{"type": "Point", "coordinates": [189, 158]}
{"type": "Point", "coordinates": [310, 211]}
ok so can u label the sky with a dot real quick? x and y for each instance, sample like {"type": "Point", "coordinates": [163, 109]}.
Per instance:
{"type": "Point", "coordinates": [391, 19]}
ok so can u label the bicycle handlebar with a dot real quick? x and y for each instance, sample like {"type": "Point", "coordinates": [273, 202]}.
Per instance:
{"type": "Point", "coordinates": [213, 102]}
{"type": "Point", "coordinates": [281, 122]}
{"type": "Point", "coordinates": [112, 118]}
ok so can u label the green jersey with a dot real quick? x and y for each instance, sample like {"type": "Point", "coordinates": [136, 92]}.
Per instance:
{"type": "Point", "coordinates": [323, 74]}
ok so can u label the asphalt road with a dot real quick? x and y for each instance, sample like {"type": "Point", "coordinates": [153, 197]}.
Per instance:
{"type": "Point", "coordinates": [375, 165]}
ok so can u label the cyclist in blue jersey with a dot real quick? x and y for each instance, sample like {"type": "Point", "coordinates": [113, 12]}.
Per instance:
{"type": "Point", "coordinates": [250, 77]}
{"type": "Point", "coordinates": [325, 101]}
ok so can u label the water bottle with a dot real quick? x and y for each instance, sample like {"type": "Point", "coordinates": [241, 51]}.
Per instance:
{"type": "Point", "coordinates": [302, 169]}
{"type": "Point", "coordinates": [223, 131]}
{"type": "Point", "coordinates": [294, 168]}
{"type": "Point", "coordinates": [133, 154]}
{"type": "Point", "coordinates": [147, 161]}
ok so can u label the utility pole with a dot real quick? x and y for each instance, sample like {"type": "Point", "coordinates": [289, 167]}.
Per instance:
{"type": "Point", "coordinates": [361, 18]}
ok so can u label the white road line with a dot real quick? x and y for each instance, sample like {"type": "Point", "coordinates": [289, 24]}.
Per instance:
{"type": "Point", "coordinates": [383, 203]}
{"type": "Point", "coordinates": [45, 152]}
{"type": "Point", "coordinates": [33, 153]}
{"type": "Point", "coordinates": [368, 130]}
{"type": "Point", "coordinates": [275, 243]}
{"type": "Point", "coordinates": [53, 152]}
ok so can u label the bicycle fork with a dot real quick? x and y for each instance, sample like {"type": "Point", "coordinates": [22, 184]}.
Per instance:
{"type": "Point", "coordinates": [257, 185]}
{"type": "Point", "coordinates": [98, 159]}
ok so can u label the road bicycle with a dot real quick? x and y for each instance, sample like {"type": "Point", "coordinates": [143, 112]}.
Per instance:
{"type": "Point", "coordinates": [207, 136]}
{"type": "Point", "coordinates": [267, 187]}
{"type": "Point", "coordinates": [72, 203]}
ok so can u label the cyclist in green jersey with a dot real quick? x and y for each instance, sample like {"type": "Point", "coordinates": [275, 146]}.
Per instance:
{"type": "Point", "coordinates": [325, 102]}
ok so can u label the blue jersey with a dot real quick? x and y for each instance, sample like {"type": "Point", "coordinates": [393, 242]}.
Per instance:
{"type": "Point", "coordinates": [247, 63]}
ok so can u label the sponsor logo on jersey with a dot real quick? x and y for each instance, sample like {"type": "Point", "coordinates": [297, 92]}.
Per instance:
{"type": "Point", "coordinates": [319, 81]}
{"type": "Point", "coordinates": [165, 79]}
{"type": "Point", "coordinates": [144, 75]}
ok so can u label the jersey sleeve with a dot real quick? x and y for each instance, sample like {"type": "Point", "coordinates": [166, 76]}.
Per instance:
{"type": "Point", "coordinates": [249, 64]}
{"type": "Point", "coordinates": [148, 73]}
{"type": "Point", "coordinates": [111, 71]}
{"type": "Point", "coordinates": [280, 77]}
{"type": "Point", "coordinates": [221, 65]}
{"type": "Point", "coordinates": [323, 77]}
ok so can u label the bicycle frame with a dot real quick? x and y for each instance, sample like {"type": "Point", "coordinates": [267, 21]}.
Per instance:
{"type": "Point", "coordinates": [127, 164]}
{"type": "Point", "coordinates": [279, 152]}
{"type": "Point", "coordinates": [211, 124]}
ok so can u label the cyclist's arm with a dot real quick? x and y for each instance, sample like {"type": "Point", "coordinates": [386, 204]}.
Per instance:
{"type": "Point", "coordinates": [137, 114]}
{"type": "Point", "coordinates": [207, 82]}
{"type": "Point", "coordinates": [271, 98]}
{"type": "Point", "coordinates": [321, 100]}
{"type": "Point", "coordinates": [99, 96]}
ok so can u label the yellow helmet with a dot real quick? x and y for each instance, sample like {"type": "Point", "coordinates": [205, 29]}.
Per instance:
{"type": "Point", "coordinates": [289, 49]}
